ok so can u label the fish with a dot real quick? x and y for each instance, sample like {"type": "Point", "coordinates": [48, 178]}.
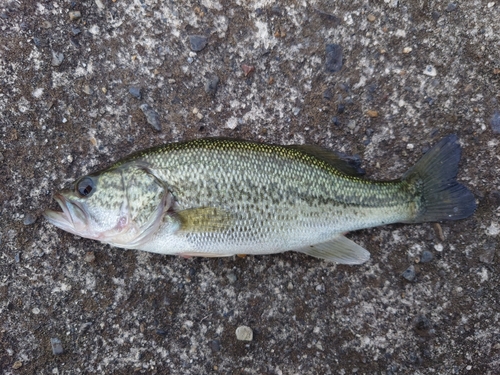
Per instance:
{"type": "Point", "coordinates": [221, 197]}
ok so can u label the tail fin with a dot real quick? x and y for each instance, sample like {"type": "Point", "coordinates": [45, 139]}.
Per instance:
{"type": "Point", "coordinates": [443, 198]}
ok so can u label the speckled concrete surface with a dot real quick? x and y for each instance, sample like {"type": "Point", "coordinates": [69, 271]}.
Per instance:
{"type": "Point", "coordinates": [71, 90]}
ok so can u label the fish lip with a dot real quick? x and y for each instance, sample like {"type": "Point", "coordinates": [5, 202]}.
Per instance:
{"type": "Point", "coordinates": [73, 217]}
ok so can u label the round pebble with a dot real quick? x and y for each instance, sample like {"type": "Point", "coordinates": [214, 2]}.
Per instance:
{"type": "Point", "coordinates": [244, 333]}
{"type": "Point", "coordinates": [29, 219]}
{"type": "Point", "coordinates": [426, 256]}
{"type": "Point", "coordinates": [198, 42]}
{"type": "Point", "coordinates": [409, 273]}
{"type": "Point", "coordinates": [333, 57]}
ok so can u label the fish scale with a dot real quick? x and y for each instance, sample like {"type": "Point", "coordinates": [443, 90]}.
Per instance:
{"type": "Point", "coordinates": [217, 197]}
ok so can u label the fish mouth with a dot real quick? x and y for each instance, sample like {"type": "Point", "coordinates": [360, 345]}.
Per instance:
{"type": "Point", "coordinates": [73, 217]}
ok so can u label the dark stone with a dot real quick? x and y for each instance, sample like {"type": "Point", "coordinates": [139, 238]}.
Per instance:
{"type": "Point", "coordinates": [75, 30]}
{"type": "Point", "coordinates": [151, 116]}
{"type": "Point", "coordinates": [426, 256]}
{"type": "Point", "coordinates": [161, 332]}
{"type": "Point", "coordinates": [451, 7]}
{"type": "Point", "coordinates": [422, 323]}
{"type": "Point", "coordinates": [340, 108]}
{"type": "Point", "coordinates": [276, 10]}
{"type": "Point", "coordinates": [495, 122]}
{"type": "Point", "coordinates": [335, 121]}
{"type": "Point", "coordinates": [135, 92]}
{"type": "Point", "coordinates": [215, 345]}
{"type": "Point", "coordinates": [328, 94]}
{"type": "Point", "coordinates": [198, 42]}
{"type": "Point", "coordinates": [211, 85]}
{"type": "Point", "coordinates": [436, 15]}
{"type": "Point", "coordinates": [333, 57]}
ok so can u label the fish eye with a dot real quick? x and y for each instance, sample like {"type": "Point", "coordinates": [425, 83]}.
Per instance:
{"type": "Point", "coordinates": [85, 187]}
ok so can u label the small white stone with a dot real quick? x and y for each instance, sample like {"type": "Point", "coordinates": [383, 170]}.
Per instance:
{"type": "Point", "coordinates": [438, 247]}
{"type": "Point", "coordinates": [430, 71]}
{"type": "Point", "coordinates": [407, 50]}
{"type": "Point", "coordinates": [35, 310]}
{"type": "Point", "coordinates": [244, 333]}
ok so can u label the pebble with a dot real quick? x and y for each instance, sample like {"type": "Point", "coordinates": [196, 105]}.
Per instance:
{"type": "Point", "coordinates": [372, 113]}
{"type": "Point", "coordinates": [215, 345]}
{"type": "Point", "coordinates": [198, 42]}
{"type": "Point", "coordinates": [17, 364]}
{"type": "Point", "coordinates": [371, 18]}
{"type": "Point", "coordinates": [29, 219]}
{"type": "Point", "coordinates": [488, 253]}
{"type": "Point", "coordinates": [426, 256]}
{"type": "Point", "coordinates": [231, 277]}
{"type": "Point", "coordinates": [335, 121]}
{"type": "Point", "coordinates": [407, 50]}
{"type": "Point", "coordinates": [495, 122]}
{"type": "Point", "coordinates": [340, 108]}
{"type": "Point", "coordinates": [211, 85]}
{"type": "Point", "coordinates": [99, 4]}
{"type": "Point", "coordinates": [333, 57]}
{"type": "Point", "coordinates": [135, 92]}
{"type": "Point", "coordinates": [409, 273]}
{"type": "Point", "coordinates": [430, 71]}
{"type": "Point", "coordinates": [151, 116]}
{"type": "Point", "coordinates": [57, 58]}
{"type": "Point", "coordinates": [56, 346]}
{"type": "Point", "coordinates": [296, 111]}
{"type": "Point", "coordinates": [244, 333]}
{"type": "Point", "coordinates": [89, 257]}
{"type": "Point", "coordinates": [87, 90]}
{"type": "Point", "coordinates": [247, 69]}
{"type": "Point", "coordinates": [75, 15]}
{"type": "Point", "coordinates": [328, 94]}
{"type": "Point", "coordinates": [451, 7]}
{"type": "Point", "coordinates": [422, 323]}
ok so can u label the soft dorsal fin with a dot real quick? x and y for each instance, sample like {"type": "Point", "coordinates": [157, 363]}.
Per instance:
{"type": "Point", "coordinates": [340, 250]}
{"type": "Point", "coordinates": [204, 219]}
{"type": "Point", "coordinates": [348, 165]}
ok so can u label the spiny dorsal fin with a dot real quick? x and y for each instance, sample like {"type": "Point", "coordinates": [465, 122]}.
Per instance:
{"type": "Point", "coordinates": [340, 250]}
{"type": "Point", "coordinates": [349, 165]}
{"type": "Point", "coordinates": [204, 219]}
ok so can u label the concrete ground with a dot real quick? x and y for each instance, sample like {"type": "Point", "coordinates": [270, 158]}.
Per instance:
{"type": "Point", "coordinates": [84, 83]}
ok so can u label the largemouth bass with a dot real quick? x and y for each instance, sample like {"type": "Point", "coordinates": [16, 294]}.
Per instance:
{"type": "Point", "coordinates": [215, 197]}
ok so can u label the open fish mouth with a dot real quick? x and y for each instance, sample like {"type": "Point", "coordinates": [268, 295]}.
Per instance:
{"type": "Point", "coordinates": [73, 217]}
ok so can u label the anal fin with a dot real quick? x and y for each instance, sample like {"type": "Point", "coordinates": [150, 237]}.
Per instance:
{"type": "Point", "coordinates": [340, 250]}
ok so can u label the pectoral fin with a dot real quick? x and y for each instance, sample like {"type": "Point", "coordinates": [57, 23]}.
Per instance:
{"type": "Point", "coordinates": [204, 219]}
{"type": "Point", "coordinates": [340, 250]}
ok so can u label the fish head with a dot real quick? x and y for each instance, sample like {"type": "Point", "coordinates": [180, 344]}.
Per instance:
{"type": "Point", "coordinates": [121, 206]}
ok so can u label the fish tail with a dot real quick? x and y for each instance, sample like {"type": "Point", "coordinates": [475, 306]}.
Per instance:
{"type": "Point", "coordinates": [434, 177]}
